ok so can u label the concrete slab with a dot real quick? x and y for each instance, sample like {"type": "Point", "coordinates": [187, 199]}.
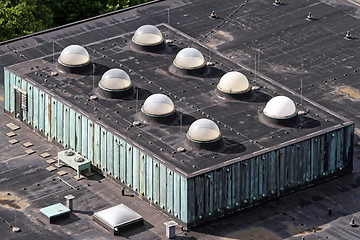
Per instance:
{"type": "Point", "coordinates": [13, 141]}
{"type": "Point", "coordinates": [79, 178]}
{"type": "Point", "coordinates": [45, 155]}
{"type": "Point", "coordinates": [28, 144]}
{"type": "Point", "coordinates": [51, 161]}
{"type": "Point", "coordinates": [51, 168]}
{"type": "Point", "coordinates": [30, 151]}
{"type": "Point", "coordinates": [12, 126]}
{"type": "Point", "coordinates": [10, 134]}
{"type": "Point", "coordinates": [61, 173]}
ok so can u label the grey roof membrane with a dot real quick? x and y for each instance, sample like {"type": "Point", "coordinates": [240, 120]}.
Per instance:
{"type": "Point", "coordinates": [194, 98]}
{"type": "Point", "coordinates": [289, 49]}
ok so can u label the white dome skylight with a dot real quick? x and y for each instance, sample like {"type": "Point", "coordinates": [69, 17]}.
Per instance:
{"type": "Point", "coordinates": [147, 35]}
{"type": "Point", "coordinates": [203, 130]}
{"type": "Point", "coordinates": [280, 107]}
{"type": "Point", "coordinates": [115, 79]}
{"type": "Point", "coordinates": [74, 56]}
{"type": "Point", "coordinates": [233, 82]}
{"type": "Point", "coordinates": [158, 105]}
{"type": "Point", "coordinates": [189, 58]}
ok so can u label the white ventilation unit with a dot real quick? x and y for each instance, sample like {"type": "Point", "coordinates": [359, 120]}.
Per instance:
{"type": "Point", "coordinates": [74, 160]}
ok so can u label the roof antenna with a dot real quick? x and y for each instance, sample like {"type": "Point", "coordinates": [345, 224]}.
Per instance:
{"type": "Point", "coordinates": [93, 97]}
{"type": "Point", "coordinates": [54, 73]}
{"type": "Point", "coordinates": [301, 93]}
{"type": "Point", "coordinates": [137, 99]}
{"type": "Point", "coordinates": [168, 25]}
{"type": "Point", "coordinates": [181, 122]}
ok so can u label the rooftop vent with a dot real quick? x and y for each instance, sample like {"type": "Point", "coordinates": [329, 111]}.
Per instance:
{"type": "Point", "coordinates": [73, 58]}
{"type": "Point", "coordinates": [233, 83]}
{"type": "Point", "coordinates": [280, 107]}
{"type": "Point", "coordinates": [158, 107]}
{"type": "Point", "coordinates": [115, 83]}
{"type": "Point", "coordinates": [189, 59]}
{"type": "Point", "coordinates": [148, 38]}
{"type": "Point", "coordinates": [204, 133]}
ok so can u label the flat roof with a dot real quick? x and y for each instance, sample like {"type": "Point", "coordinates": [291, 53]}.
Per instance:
{"type": "Point", "coordinates": [194, 98]}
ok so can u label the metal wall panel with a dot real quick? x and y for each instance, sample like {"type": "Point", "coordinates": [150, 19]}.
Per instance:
{"type": "Point", "coordinates": [123, 161]}
{"type": "Point", "coordinates": [36, 99]}
{"type": "Point", "coordinates": [84, 136]}
{"type": "Point", "coordinates": [30, 103]}
{"type": "Point", "coordinates": [78, 136]}
{"type": "Point", "coordinates": [90, 147]}
{"type": "Point", "coordinates": [177, 195]}
{"type": "Point", "coordinates": [184, 200]}
{"type": "Point", "coordinates": [7, 90]}
{"type": "Point", "coordinates": [42, 108]}
{"type": "Point", "coordinates": [66, 127]}
{"type": "Point", "coordinates": [170, 191]}
{"type": "Point", "coordinates": [163, 177]}
{"type": "Point", "coordinates": [149, 178]}
{"type": "Point", "coordinates": [12, 93]}
{"type": "Point", "coordinates": [97, 145]}
{"type": "Point", "coordinates": [47, 116]}
{"type": "Point", "coordinates": [116, 157]}
{"type": "Point", "coordinates": [156, 182]}
{"type": "Point", "coordinates": [60, 123]}
{"type": "Point", "coordinates": [136, 169]}
{"type": "Point", "coordinates": [53, 117]}
{"type": "Point", "coordinates": [103, 153]}
{"type": "Point", "coordinates": [72, 129]}
{"type": "Point", "coordinates": [110, 154]}
{"type": "Point", "coordinates": [24, 111]}
{"type": "Point", "coordinates": [142, 173]}
{"type": "Point", "coordinates": [129, 165]}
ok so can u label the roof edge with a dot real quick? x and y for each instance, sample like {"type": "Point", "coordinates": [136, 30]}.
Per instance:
{"type": "Point", "coordinates": [79, 22]}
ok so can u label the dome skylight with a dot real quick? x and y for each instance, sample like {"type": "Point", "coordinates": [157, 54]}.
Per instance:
{"type": "Point", "coordinates": [115, 79]}
{"type": "Point", "coordinates": [158, 105]}
{"type": "Point", "coordinates": [280, 107]}
{"type": "Point", "coordinates": [147, 35]}
{"type": "Point", "coordinates": [203, 130]}
{"type": "Point", "coordinates": [74, 56]}
{"type": "Point", "coordinates": [189, 58]}
{"type": "Point", "coordinates": [233, 83]}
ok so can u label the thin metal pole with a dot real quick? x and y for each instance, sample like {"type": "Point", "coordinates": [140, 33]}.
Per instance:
{"type": "Point", "coordinates": [15, 211]}
{"type": "Point", "coordinates": [181, 122]}
{"type": "Point", "coordinates": [93, 76]}
{"type": "Point", "coordinates": [53, 53]}
{"type": "Point", "coordinates": [168, 30]}
{"type": "Point", "coordinates": [136, 104]}
{"type": "Point", "coordinates": [301, 92]}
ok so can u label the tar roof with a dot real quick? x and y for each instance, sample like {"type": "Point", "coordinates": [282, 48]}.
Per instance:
{"type": "Point", "coordinates": [286, 53]}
